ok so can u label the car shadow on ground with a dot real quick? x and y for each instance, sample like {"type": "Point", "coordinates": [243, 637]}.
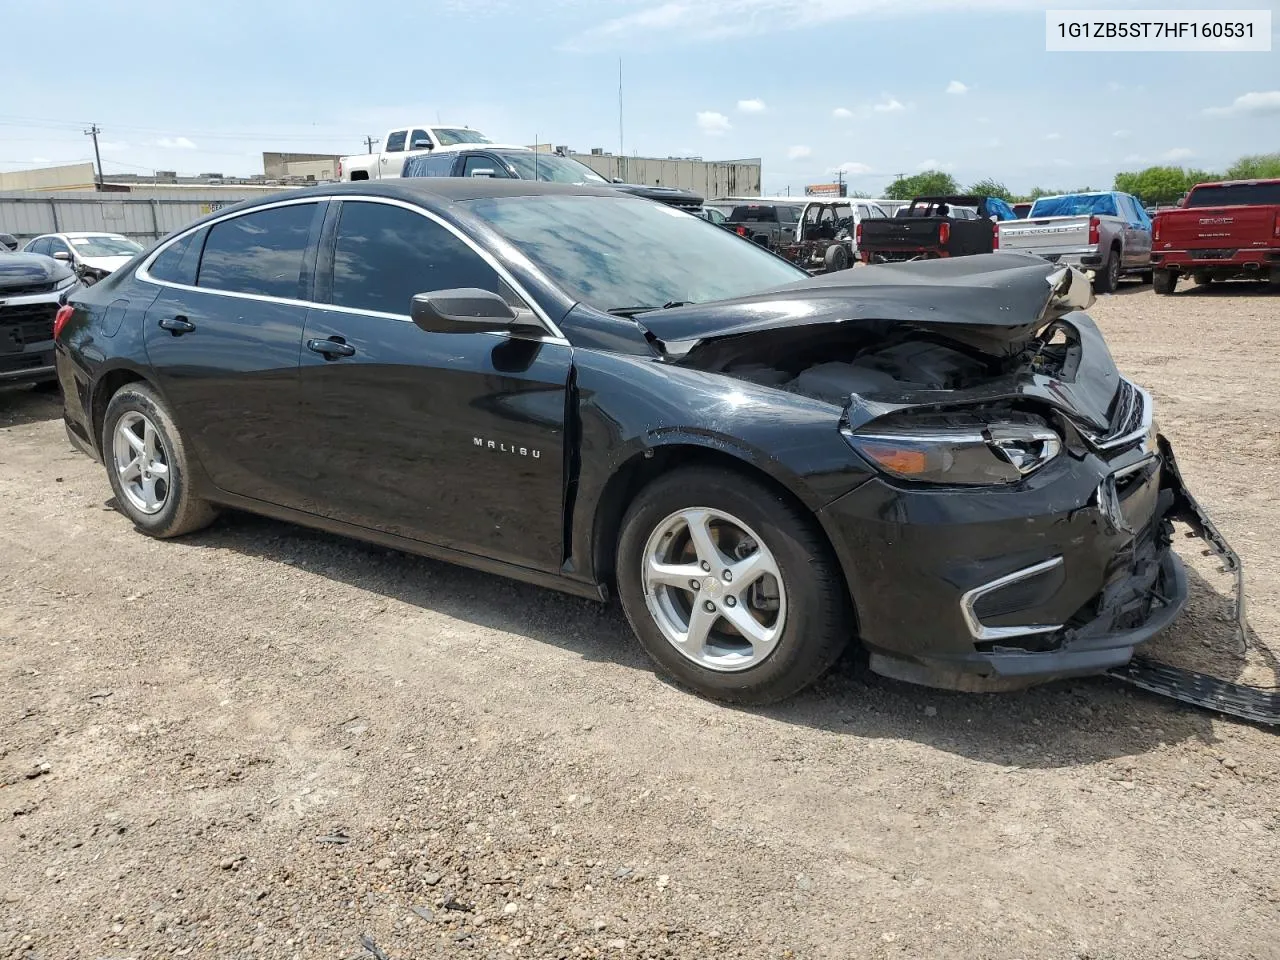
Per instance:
{"type": "Point", "coordinates": [1065, 723]}
{"type": "Point", "coordinates": [22, 404]}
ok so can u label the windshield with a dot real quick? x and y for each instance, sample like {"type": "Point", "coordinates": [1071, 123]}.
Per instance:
{"type": "Point", "coordinates": [616, 253]}
{"type": "Point", "coordinates": [1076, 205]}
{"type": "Point", "coordinates": [534, 166]}
{"type": "Point", "coordinates": [1235, 194]}
{"type": "Point", "coordinates": [449, 136]}
{"type": "Point", "coordinates": [105, 246]}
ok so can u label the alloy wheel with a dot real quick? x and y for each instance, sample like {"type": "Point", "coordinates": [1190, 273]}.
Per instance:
{"type": "Point", "coordinates": [141, 462]}
{"type": "Point", "coordinates": [714, 589]}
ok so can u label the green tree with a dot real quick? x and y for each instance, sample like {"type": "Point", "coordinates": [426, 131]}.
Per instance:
{"type": "Point", "coordinates": [990, 187]}
{"type": "Point", "coordinates": [1258, 166]}
{"type": "Point", "coordinates": [928, 184]}
{"type": "Point", "coordinates": [1154, 184]}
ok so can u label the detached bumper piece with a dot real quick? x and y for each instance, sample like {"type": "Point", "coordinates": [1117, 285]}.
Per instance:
{"type": "Point", "coordinates": [1257, 705]}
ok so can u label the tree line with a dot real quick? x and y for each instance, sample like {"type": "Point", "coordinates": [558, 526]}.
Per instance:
{"type": "Point", "coordinates": [1160, 184]}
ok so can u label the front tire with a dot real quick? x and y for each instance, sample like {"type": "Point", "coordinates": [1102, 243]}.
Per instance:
{"type": "Point", "coordinates": [148, 465]}
{"type": "Point", "coordinates": [836, 258]}
{"type": "Point", "coordinates": [731, 587]}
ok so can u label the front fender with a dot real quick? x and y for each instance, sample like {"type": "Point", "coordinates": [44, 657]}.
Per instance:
{"type": "Point", "coordinates": [634, 411]}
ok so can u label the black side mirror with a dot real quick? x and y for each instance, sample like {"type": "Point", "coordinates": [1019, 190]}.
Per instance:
{"type": "Point", "coordinates": [464, 310]}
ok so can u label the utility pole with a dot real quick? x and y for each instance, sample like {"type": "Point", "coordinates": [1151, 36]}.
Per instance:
{"type": "Point", "coordinates": [93, 131]}
{"type": "Point", "coordinates": [369, 142]}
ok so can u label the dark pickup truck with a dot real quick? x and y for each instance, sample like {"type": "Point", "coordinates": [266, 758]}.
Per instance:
{"type": "Point", "coordinates": [770, 223]}
{"type": "Point", "coordinates": [931, 227]}
{"type": "Point", "coordinates": [1219, 231]}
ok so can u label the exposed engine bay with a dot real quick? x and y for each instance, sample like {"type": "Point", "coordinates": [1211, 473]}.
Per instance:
{"type": "Point", "coordinates": [897, 366]}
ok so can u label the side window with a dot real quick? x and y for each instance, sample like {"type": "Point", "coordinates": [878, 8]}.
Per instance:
{"type": "Point", "coordinates": [878, 211]}
{"type": "Point", "coordinates": [786, 214]}
{"type": "Point", "coordinates": [386, 254]}
{"type": "Point", "coordinates": [395, 141]}
{"type": "Point", "coordinates": [169, 265]}
{"type": "Point", "coordinates": [1143, 218]}
{"type": "Point", "coordinates": [259, 253]}
{"type": "Point", "coordinates": [39, 246]}
{"type": "Point", "coordinates": [478, 165]}
{"type": "Point", "coordinates": [419, 140]}
{"type": "Point", "coordinates": [438, 165]}
{"type": "Point", "coordinates": [56, 246]}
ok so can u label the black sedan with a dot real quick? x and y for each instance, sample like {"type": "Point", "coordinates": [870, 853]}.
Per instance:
{"type": "Point", "coordinates": [595, 392]}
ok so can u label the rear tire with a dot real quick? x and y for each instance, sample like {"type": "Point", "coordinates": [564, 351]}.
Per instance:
{"type": "Point", "coordinates": [1163, 282]}
{"type": "Point", "coordinates": [1108, 278]}
{"type": "Point", "coordinates": [836, 258]}
{"type": "Point", "coordinates": [802, 616]}
{"type": "Point", "coordinates": [148, 465]}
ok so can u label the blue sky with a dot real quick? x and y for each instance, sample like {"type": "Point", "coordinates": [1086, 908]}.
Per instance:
{"type": "Point", "coordinates": [874, 86]}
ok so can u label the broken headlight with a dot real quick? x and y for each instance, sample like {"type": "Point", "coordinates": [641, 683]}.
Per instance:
{"type": "Point", "coordinates": [959, 453]}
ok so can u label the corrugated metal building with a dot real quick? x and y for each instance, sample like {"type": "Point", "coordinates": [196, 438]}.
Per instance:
{"type": "Point", "coordinates": [145, 213]}
{"type": "Point", "coordinates": [709, 178]}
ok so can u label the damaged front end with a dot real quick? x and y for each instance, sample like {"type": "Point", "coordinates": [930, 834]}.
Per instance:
{"type": "Point", "coordinates": [1018, 524]}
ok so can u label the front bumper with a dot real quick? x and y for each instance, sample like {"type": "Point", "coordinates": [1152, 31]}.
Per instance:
{"type": "Point", "coordinates": [1062, 575]}
{"type": "Point", "coordinates": [26, 337]}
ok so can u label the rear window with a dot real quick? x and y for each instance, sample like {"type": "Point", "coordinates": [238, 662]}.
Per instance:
{"type": "Point", "coordinates": [754, 215]}
{"type": "Point", "coordinates": [1235, 194]}
{"type": "Point", "coordinates": [1077, 205]}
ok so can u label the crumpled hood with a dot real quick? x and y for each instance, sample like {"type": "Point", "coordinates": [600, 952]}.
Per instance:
{"type": "Point", "coordinates": [661, 194]}
{"type": "Point", "coordinates": [30, 269]}
{"type": "Point", "coordinates": [993, 301]}
{"type": "Point", "coordinates": [109, 264]}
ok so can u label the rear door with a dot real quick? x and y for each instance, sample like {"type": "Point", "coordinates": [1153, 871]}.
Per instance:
{"type": "Point", "coordinates": [224, 346]}
{"type": "Point", "coordinates": [454, 439]}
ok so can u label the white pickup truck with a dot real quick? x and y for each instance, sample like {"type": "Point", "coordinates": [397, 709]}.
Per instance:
{"type": "Point", "coordinates": [402, 143]}
{"type": "Point", "coordinates": [1107, 233]}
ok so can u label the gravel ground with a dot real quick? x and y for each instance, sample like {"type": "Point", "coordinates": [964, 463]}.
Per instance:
{"type": "Point", "coordinates": [266, 742]}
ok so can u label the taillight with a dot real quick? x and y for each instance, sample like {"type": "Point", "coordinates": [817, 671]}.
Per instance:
{"type": "Point", "coordinates": [995, 235]}
{"type": "Point", "coordinates": [1276, 231]}
{"type": "Point", "coordinates": [944, 233]}
{"type": "Point", "coordinates": [741, 231]}
{"type": "Point", "coordinates": [338, 170]}
{"type": "Point", "coordinates": [60, 319]}
{"type": "Point", "coordinates": [1155, 227]}
{"type": "Point", "coordinates": [857, 235]}
{"type": "Point", "coordinates": [1094, 224]}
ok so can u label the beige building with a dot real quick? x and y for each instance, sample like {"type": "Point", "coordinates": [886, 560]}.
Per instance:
{"type": "Point", "coordinates": [73, 176]}
{"type": "Point", "coordinates": [708, 178]}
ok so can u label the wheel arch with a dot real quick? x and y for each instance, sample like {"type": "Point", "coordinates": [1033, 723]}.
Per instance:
{"type": "Point", "coordinates": [104, 388]}
{"type": "Point", "coordinates": [646, 465]}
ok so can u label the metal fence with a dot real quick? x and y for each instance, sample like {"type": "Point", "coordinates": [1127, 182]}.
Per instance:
{"type": "Point", "coordinates": [143, 218]}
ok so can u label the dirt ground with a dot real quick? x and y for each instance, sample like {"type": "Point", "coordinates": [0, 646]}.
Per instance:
{"type": "Point", "coordinates": [266, 742]}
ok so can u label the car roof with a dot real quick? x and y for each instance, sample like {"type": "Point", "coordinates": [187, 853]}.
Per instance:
{"type": "Point", "coordinates": [86, 233]}
{"type": "Point", "coordinates": [437, 191]}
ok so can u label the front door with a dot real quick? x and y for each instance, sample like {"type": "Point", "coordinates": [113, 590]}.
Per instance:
{"type": "Point", "coordinates": [224, 345]}
{"type": "Point", "coordinates": [452, 439]}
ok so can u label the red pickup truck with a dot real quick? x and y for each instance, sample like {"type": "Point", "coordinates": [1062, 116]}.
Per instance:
{"type": "Point", "coordinates": [1219, 231]}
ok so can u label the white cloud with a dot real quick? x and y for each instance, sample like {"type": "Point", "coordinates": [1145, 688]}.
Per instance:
{"type": "Point", "coordinates": [1256, 104]}
{"type": "Point", "coordinates": [175, 143]}
{"type": "Point", "coordinates": [1122, 134]}
{"type": "Point", "coordinates": [1178, 153]}
{"type": "Point", "coordinates": [956, 87]}
{"type": "Point", "coordinates": [720, 19]}
{"type": "Point", "coordinates": [713, 124]}
{"type": "Point", "coordinates": [1053, 136]}
{"type": "Point", "coordinates": [799, 152]}
{"type": "Point", "coordinates": [1134, 158]}
{"type": "Point", "coordinates": [1114, 87]}
{"type": "Point", "coordinates": [842, 113]}
{"type": "Point", "coordinates": [113, 146]}
{"type": "Point", "coordinates": [751, 106]}
{"type": "Point", "coordinates": [889, 106]}
{"type": "Point", "coordinates": [932, 164]}
{"type": "Point", "coordinates": [851, 168]}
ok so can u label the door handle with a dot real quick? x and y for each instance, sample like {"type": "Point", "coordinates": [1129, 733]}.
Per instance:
{"type": "Point", "coordinates": [331, 349]}
{"type": "Point", "coordinates": [177, 325]}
